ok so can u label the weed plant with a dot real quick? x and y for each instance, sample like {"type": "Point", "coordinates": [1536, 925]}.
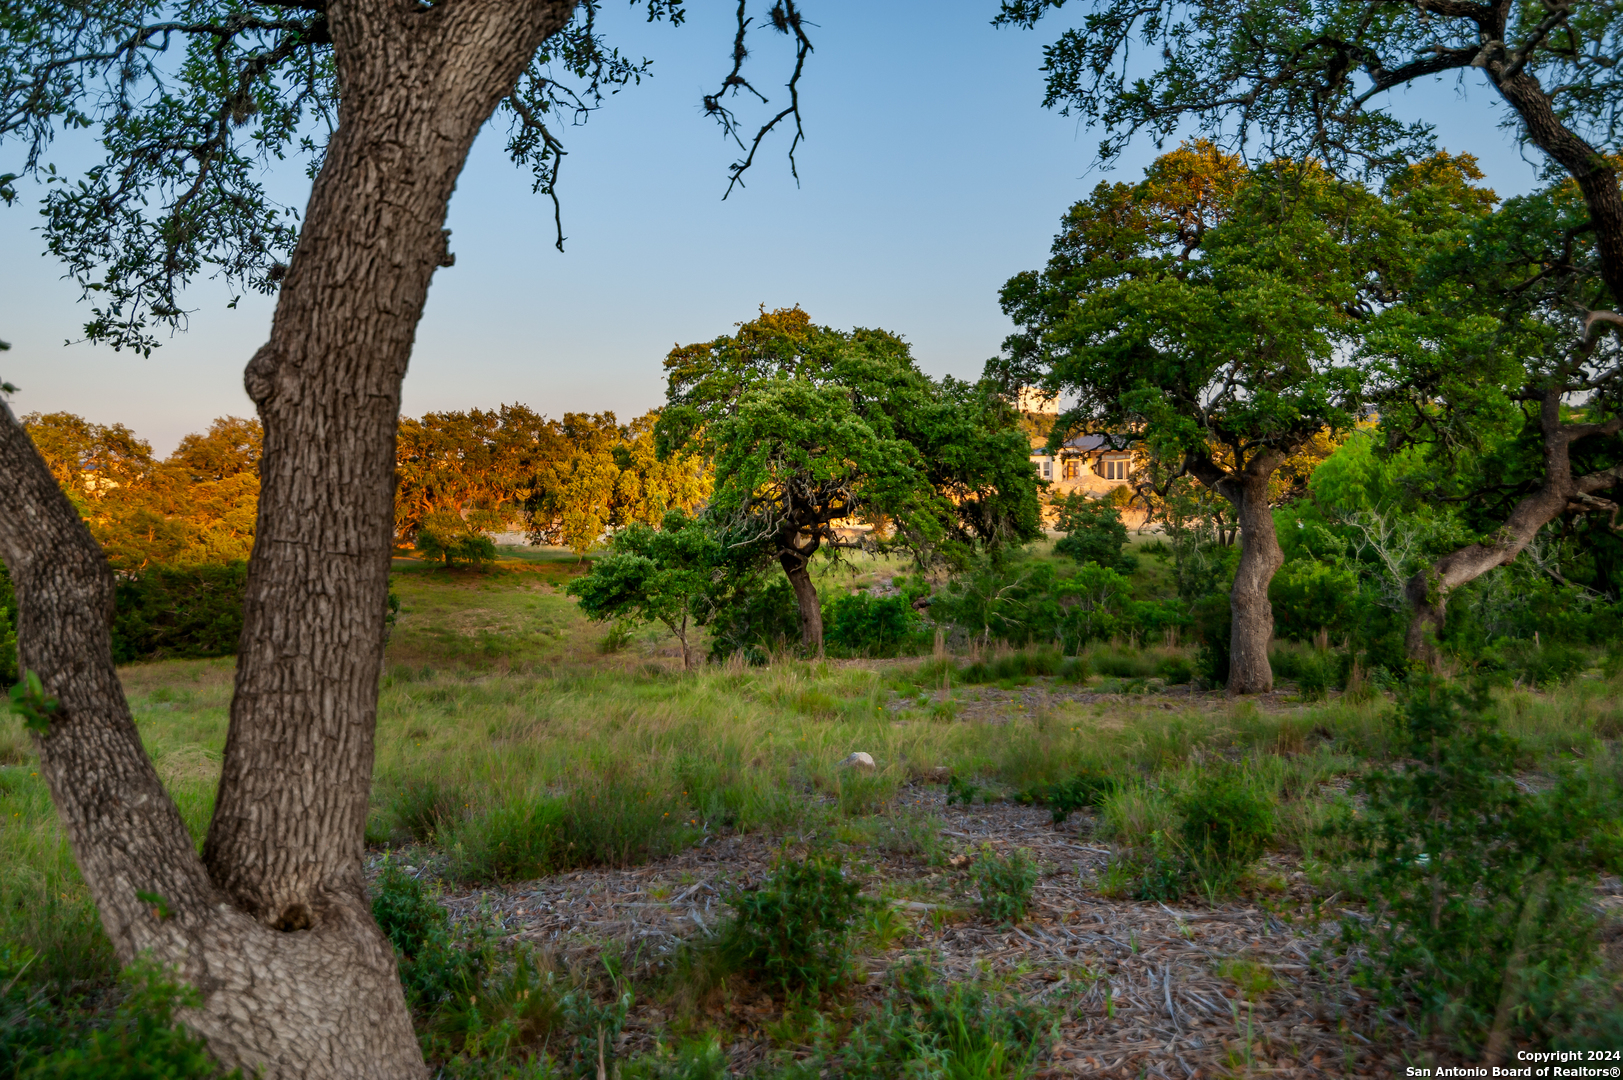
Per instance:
{"type": "Point", "coordinates": [1005, 883]}
{"type": "Point", "coordinates": [793, 931]}
{"type": "Point", "coordinates": [1479, 884]}
{"type": "Point", "coordinates": [968, 1031]}
{"type": "Point", "coordinates": [1086, 790]}
{"type": "Point", "coordinates": [142, 1039]}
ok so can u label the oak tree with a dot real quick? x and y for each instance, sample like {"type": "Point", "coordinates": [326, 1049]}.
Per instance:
{"type": "Point", "coordinates": [1208, 314]}
{"type": "Point", "coordinates": [190, 101]}
{"type": "Point", "coordinates": [813, 430]}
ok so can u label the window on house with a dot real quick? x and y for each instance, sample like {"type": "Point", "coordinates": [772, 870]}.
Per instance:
{"type": "Point", "coordinates": [1115, 468]}
{"type": "Point", "coordinates": [1048, 468]}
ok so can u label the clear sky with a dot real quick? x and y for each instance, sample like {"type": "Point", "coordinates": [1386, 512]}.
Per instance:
{"type": "Point", "coordinates": [929, 175]}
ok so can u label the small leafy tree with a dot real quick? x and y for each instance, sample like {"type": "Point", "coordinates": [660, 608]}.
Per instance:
{"type": "Point", "coordinates": [811, 430]}
{"type": "Point", "coordinates": [1093, 532]}
{"type": "Point", "coordinates": [665, 575]}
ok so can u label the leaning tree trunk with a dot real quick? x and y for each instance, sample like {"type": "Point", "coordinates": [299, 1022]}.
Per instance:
{"type": "Point", "coordinates": [795, 566]}
{"type": "Point", "coordinates": [273, 925]}
{"type": "Point", "coordinates": [1557, 494]}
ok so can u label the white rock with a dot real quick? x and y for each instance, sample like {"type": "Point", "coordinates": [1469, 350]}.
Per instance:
{"type": "Point", "coordinates": [858, 760]}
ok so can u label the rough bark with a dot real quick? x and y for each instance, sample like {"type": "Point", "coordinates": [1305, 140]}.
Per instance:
{"type": "Point", "coordinates": [1559, 493]}
{"type": "Point", "coordinates": [811, 610]}
{"type": "Point", "coordinates": [272, 924]}
{"type": "Point", "coordinates": [1252, 615]}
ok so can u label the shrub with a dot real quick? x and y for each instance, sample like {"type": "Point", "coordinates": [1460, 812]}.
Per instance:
{"type": "Point", "coordinates": [1020, 665]}
{"type": "Point", "coordinates": [8, 629]}
{"type": "Point", "coordinates": [143, 1041]}
{"type": "Point", "coordinates": [873, 625]}
{"type": "Point", "coordinates": [1227, 822]}
{"type": "Point", "coordinates": [1213, 626]}
{"type": "Point", "coordinates": [1093, 533]}
{"type": "Point", "coordinates": [1176, 670]}
{"type": "Point", "coordinates": [1483, 883]}
{"type": "Point", "coordinates": [758, 618]}
{"type": "Point", "coordinates": [513, 842]}
{"type": "Point", "coordinates": [968, 1031]}
{"type": "Point", "coordinates": [1005, 882]}
{"type": "Point", "coordinates": [1087, 789]}
{"type": "Point", "coordinates": [179, 612]}
{"type": "Point", "coordinates": [794, 929]}
{"type": "Point", "coordinates": [1548, 664]}
{"type": "Point", "coordinates": [436, 963]}
{"type": "Point", "coordinates": [475, 549]}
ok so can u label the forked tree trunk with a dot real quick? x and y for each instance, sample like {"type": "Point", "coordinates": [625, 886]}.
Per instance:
{"type": "Point", "coordinates": [1559, 493]}
{"type": "Point", "coordinates": [273, 924]}
{"type": "Point", "coordinates": [1251, 628]}
{"type": "Point", "coordinates": [811, 610]}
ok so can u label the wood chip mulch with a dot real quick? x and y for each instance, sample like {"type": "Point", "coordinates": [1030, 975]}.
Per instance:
{"type": "Point", "coordinates": [1142, 989]}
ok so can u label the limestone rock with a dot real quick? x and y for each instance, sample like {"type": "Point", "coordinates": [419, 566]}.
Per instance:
{"type": "Point", "coordinates": [858, 760]}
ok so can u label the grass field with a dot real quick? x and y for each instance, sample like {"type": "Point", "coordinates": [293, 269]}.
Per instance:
{"type": "Point", "coordinates": [498, 698]}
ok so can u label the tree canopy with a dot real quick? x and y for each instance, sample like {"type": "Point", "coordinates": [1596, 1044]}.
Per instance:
{"type": "Point", "coordinates": [813, 430]}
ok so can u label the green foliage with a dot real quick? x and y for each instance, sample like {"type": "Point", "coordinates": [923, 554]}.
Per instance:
{"type": "Point", "coordinates": [455, 548]}
{"type": "Point", "coordinates": [1214, 624]}
{"type": "Point", "coordinates": [1309, 596]}
{"type": "Point", "coordinates": [760, 616]}
{"type": "Point", "coordinates": [142, 1041]}
{"type": "Point", "coordinates": [1085, 790]}
{"type": "Point", "coordinates": [666, 575]}
{"type": "Point", "coordinates": [874, 625]}
{"type": "Point", "coordinates": [961, 791]}
{"type": "Point", "coordinates": [1227, 821]}
{"type": "Point", "coordinates": [30, 701]}
{"type": "Point", "coordinates": [1480, 884]}
{"type": "Point", "coordinates": [182, 612]}
{"type": "Point", "coordinates": [793, 931]}
{"type": "Point", "coordinates": [1005, 883]}
{"type": "Point", "coordinates": [695, 1059]}
{"type": "Point", "coordinates": [423, 806]}
{"type": "Point", "coordinates": [966, 1031]}
{"type": "Point", "coordinates": [1314, 671]}
{"type": "Point", "coordinates": [1093, 533]}
{"type": "Point", "coordinates": [1026, 601]}
{"type": "Point", "coordinates": [807, 425]}
{"type": "Point", "coordinates": [437, 962]}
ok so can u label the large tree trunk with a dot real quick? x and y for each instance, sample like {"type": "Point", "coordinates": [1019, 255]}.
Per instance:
{"type": "Point", "coordinates": [811, 610]}
{"type": "Point", "coordinates": [1559, 493]}
{"type": "Point", "coordinates": [1260, 558]}
{"type": "Point", "coordinates": [1252, 616]}
{"type": "Point", "coordinates": [273, 925]}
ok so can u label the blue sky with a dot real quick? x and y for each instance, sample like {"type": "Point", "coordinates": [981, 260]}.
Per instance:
{"type": "Point", "coordinates": [929, 175]}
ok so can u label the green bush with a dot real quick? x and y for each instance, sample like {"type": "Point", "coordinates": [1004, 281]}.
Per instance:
{"type": "Point", "coordinates": [474, 549]}
{"type": "Point", "coordinates": [756, 620]}
{"type": "Point", "coordinates": [1227, 822]}
{"type": "Point", "coordinates": [794, 930]}
{"type": "Point", "coordinates": [1548, 664]}
{"type": "Point", "coordinates": [436, 963]}
{"type": "Point", "coordinates": [873, 625]}
{"type": "Point", "coordinates": [966, 1031]}
{"type": "Point", "coordinates": [513, 842]}
{"type": "Point", "coordinates": [1482, 884]}
{"type": "Point", "coordinates": [1093, 533]}
{"type": "Point", "coordinates": [1213, 627]}
{"type": "Point", "coordinates": [8, 630]}
{"type": "Point", "coordinates": [1087, 789]}
{"type": "Point", "coordinates": [143, 1041]}
{"type": "Point", "coordinates": [179, 612]}
{"type": "Point", "coordinates": [1176, 670]}
{"type": "Point", "coordinates": [1005, 883]}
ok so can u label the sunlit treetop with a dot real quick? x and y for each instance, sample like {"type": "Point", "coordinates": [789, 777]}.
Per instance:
{"type": "Point", "coordinates": [193, 102]}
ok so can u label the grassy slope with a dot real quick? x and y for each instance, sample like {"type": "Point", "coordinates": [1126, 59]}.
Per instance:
{"type": "Point", "coordinates": [495, 689]}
